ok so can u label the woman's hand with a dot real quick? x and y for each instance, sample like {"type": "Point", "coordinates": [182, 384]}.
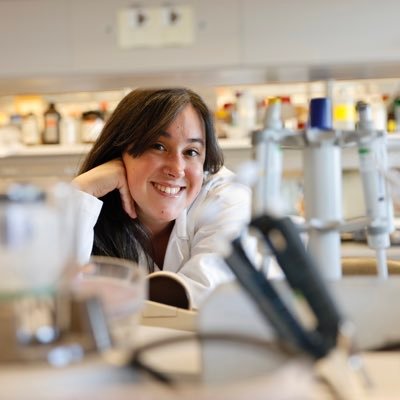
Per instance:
{"type": "Point", "coordinates": [105, 178]}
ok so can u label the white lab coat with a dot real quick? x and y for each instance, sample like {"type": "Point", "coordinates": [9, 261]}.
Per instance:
{"type": "Point", "coordinates": [199, 237]}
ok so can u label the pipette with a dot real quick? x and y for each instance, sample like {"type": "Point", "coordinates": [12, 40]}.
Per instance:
{"type": "Point", "coordinates": [373, 156]}
{"type": "Point", "coordinates": [268, 154]}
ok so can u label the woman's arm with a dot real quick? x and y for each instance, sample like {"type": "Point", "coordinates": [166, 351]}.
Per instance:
{"type": "Point", "coordinates": [104, 179]}
{"type": "Point", "coordinates": [88, 211]}
{"type": "Point", "coordinates": [91, 186]}
{"type": "Point", "coordinates": [215, 220]}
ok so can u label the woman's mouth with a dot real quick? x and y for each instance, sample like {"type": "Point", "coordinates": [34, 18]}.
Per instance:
{"type": "Point", "coordinates": [170, 190]}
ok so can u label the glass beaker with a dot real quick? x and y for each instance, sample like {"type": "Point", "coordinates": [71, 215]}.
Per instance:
{"type": "Point", "coordinates": [37, 244]}
{"type": "Point", "coordinates": [37, 236]}
{"type": "Point", "coordinates": [121, 285]}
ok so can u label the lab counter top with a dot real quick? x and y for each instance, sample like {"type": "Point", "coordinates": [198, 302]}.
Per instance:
{"type": "Point", "coordinates": [361, 250]}
{"type": "Point", "coordinates": [96, 378]}
{"type": "Point", "coordinates": [99, 378]}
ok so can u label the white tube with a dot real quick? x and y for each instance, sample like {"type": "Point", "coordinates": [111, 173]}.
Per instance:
{"type": "Point", "coordinates": [267, 191]}
{"type": "Point", "coordinates": [381, 264]}
{"type": "Point", "coordinates": [268, 154]}
{"type": "Point", "coordinates": [323, 202]}
{"type": "Point", "coordinates": [374, 185]}
{"type": "Point", "coordinates": [377, 200]}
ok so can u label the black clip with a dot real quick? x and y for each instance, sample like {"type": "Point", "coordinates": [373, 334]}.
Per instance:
{"type": "Point", "coordinates": [302, 275]}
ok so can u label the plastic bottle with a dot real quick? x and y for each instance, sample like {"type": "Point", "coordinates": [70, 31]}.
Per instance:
{"type": "Point", "coordinates": [69, 129]}
{"type": "Point", "coordinates": [391, 123]}
{"type": "Point", "coordinates": [246, 111]}
{"type": "Point", "coordinates": [379, 112]}
{"type": "Point", "coordinates": [289, 116]}
{"type": "Point", "coordinates": [344, 116]}
{"type": "Point", "coordinates": [91, 125]}
{"type": "Point", "coordinates": [30, 134]}
{"type": "Point", "coordinates": [104, 110]}
{"type": "Point", "coordinates": [51, 133]}
{"type": "Point", "coordinates": [396, 110]}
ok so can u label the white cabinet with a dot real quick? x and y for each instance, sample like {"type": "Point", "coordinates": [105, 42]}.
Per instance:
{"type": "Point", "coordinates": [34, 38]}
{"type": "Point", "coordinates": [25, 163]}
{"type": "Point", "coordinates": [320, 32]}
{"type": "Point", "coordinates": [70, 38]}
{"type": "Point", "coordinates": [95, 44]}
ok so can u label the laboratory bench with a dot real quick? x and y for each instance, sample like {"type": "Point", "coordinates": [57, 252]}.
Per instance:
{"type": "Point", "coordinates": [193, 368]}
{"type": "Point", "coordinates": [361, 250]}
{"type": "Point", "coordinates": [100, 377]}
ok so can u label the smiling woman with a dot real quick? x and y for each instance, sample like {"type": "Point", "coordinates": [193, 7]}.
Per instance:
{"type": "Point", "coordinates": [154, 189]}
{"type": "Point", "coordinates": [167, 177]}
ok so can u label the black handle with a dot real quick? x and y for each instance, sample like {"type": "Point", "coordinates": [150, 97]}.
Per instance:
{"type": "Point", "coordinates": [271, 305]}
{"type": "Point", "coordinates": [301, 272]}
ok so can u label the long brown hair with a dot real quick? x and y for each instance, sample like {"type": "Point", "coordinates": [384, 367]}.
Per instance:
{"type": "Point", "coordinates": [134, 126]}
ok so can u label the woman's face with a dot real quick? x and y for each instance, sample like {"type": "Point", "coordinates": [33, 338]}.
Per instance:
{"type": "Point", "coordinates": [167, 177]}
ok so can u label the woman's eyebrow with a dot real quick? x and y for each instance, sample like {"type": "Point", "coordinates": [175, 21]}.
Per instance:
{"type": "Point", "coordinates": [196, 140]}
{"type": "Point", "coordinates": [190, 140]}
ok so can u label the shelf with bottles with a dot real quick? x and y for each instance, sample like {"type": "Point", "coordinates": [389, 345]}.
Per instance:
{"type": "Point", "coordinates": [238, 110]}
{"type": "Point", "coordinates": [241, 108]}
{"type": "Point", "coordinates": [22, 122]}
{"type": "Point", "coordinates": [63, 119]}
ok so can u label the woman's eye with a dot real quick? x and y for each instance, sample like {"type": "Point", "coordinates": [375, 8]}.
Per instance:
{"type": "Point", "coordinates": [158, 146]}
{"type": "Point", "coordinates": [192, 153]}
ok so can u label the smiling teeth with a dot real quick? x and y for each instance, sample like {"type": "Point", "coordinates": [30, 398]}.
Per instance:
{"type": "Point", "coordinates": [167, 189]}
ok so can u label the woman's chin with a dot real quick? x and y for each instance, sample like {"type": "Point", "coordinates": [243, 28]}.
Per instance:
{"type": "Point", "coordinates": [166, 217]}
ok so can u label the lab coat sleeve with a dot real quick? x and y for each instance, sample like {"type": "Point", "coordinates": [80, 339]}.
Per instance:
{"type": "Point", "coordinates": [224, 215]}
{"type": "Point", "coordinates": [88, 211]}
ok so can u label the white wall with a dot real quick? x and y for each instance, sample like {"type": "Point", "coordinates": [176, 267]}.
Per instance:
{"type": "Point", "coordinates": [282, 40]}
{"type": "Point", "coordinates": [320, 31]}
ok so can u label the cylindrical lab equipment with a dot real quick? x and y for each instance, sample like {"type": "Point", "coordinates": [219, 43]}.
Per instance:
{"type": "Point", "coordinates": [268, 155]}
{"type": "Point", "coordinates": [378, 204]}
{"type": "Point", "coordinates": [323, 191]}
{"type": "Point", "coordinates": [379, 208]}
{"type": "Point", "coordinates": [320, 113]}
{"type": "Point", "coordinates": [374, 186]}
{"type": "Point", "coordinates": [323, 204]}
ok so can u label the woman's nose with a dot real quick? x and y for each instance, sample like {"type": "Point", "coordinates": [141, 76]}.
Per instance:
{"type": "Point", "coordinates": [174, 167]}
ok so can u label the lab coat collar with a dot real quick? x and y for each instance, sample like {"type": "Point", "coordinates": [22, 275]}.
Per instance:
{"type": "Point", "coordinates": [181, 226]}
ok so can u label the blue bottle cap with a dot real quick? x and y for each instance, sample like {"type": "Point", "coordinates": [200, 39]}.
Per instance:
{"type": "Point", "coordinates": [320, 116]}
